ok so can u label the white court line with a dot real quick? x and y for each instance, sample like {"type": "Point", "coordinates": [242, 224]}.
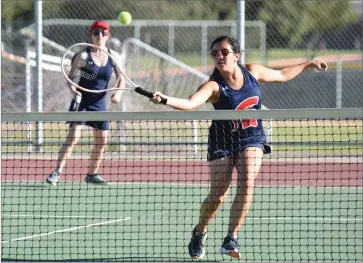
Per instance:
{"type": "Point", "coordinates": [66, 230]}
{"type": "Point", "coordinates": [75, 228]}
{"type": "Point", "coordinates": [55, 216]}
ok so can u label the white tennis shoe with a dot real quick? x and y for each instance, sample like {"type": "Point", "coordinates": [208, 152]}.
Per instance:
{"type": "Point", "coordinates": [53, 178]}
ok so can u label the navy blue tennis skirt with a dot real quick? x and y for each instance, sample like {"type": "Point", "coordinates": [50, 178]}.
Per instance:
{"type": "Point", "coordinates": [98, 125]}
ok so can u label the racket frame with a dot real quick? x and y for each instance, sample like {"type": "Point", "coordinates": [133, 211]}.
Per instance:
{"type": "Point", "coordinates": [135, 88]}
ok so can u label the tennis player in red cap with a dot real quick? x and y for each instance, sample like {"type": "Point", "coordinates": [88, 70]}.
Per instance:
{"type": "Point", "coordinates": [99, 34]}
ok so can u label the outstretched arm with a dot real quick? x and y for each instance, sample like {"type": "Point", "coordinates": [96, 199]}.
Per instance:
{"type": "Point", "coordinates": [116, 97]}
{"type": "Point", "coordinates": [71, 75]}
{"type": "Point", "coordinates": [204, 93]}
{"type": "Point", "coordinates": [77, 63]}
{"type": "Point", "coordinates": [264, 74]}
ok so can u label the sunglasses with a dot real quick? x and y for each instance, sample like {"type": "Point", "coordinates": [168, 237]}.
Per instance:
{"type": "Point", "coordinates": [97, 32]}
{"type": "Point", "coordinates": [224, 52]}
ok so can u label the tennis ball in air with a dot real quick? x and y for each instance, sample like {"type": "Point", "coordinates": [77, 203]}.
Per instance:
{"type": "Point", "coordinates": [124, 18]}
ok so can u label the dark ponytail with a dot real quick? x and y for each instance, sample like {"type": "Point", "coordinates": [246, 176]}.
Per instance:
{"type": "Point", "coordinates": [215, 75]}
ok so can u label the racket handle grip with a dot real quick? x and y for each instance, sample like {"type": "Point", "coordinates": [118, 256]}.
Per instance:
{"type": "Point", "coordinates": [149, 94]}
{"type": "Point", "coordinates": [77, 101]}
{"type": "Point", "coordinates": [78, 98]}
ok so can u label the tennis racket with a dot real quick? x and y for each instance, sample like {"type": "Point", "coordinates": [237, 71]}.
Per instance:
{"type": "Point", "coordinates": [83, 60]}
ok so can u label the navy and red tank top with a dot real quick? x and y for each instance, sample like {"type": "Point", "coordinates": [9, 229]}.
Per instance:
{"type": "Point", "coordinates": [248, 97]}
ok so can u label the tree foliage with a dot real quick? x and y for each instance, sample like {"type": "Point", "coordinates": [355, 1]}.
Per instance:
{"type": "Point", "coordinates": [289, 21]}
{"type": "Point", "coordinates": [12, 10]}
{"type": "Point", "coordinates": [141, 9]}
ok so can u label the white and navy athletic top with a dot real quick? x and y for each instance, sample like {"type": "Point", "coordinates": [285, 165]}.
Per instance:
{"type": "Point", "coordinates": [94, 101]}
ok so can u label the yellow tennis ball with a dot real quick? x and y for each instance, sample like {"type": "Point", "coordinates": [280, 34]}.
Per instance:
{"type": "Point", "coordinates": [124, 18]}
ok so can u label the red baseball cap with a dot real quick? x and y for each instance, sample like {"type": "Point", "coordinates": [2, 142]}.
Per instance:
{"type": "Point", "coordinates": [100, 23]}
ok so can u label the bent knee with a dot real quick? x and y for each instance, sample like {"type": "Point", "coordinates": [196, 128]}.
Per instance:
{"type": "Point", "coordinates": [100, 141]}
{"type": "Point", "coordinates": [217, 199]}
{"type": "Point", "coordinates": [70, 142]}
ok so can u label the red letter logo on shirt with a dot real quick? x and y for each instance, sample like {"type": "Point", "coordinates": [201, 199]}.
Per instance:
{"type": "Point", "coordinates": [245, 105]}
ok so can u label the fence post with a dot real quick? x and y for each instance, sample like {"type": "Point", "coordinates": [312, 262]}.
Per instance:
{"type": "Point", "coordinates": [28, 90]}
{"type": "Point", "coordinates": [263, 39]}
{"type": "Point", "coordinates": [171, 40]}
{"type": "Point", "coordinates": [339, 88]}
{"type": "Point", "coordinates": [137, 33]}
{"type": "Point", "coordinates": [204, 46]}
{"type": "Point", "coordinates": [241, 28]}
{"type": "Point", "coordinates": [39, 80]}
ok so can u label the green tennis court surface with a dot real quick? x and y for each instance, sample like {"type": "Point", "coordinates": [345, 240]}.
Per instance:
{"type": "Point", "coordinates": [151, 218]}
{"type": "Point", "coordinates": [307, 202]}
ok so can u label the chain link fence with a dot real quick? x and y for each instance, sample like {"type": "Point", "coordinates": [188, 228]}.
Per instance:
{"type": "Point", "coordinates": [177, 35]}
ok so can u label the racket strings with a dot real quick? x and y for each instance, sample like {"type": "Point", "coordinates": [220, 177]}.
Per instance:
{"type": "Point", "coordinates": [83, 63]}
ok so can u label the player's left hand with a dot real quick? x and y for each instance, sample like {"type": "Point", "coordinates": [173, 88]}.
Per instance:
{"type": "Point", "coordinates": [116, 98]}
{"type": "Point", "coordinates": [319, 65]}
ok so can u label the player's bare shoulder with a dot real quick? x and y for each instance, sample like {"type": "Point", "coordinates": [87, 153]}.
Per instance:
{"type": "Point", "coordinates": [251, 67]}
{"type": "Point", "coordinates": [254, 69]}
{"type": "Point", "coordinates": [212, 88]}
{"type": "Point", "coordinates": [210, 85]}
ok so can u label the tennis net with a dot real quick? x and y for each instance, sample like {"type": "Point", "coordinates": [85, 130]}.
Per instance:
{"type": "Point", "coordinates": [307, 202]}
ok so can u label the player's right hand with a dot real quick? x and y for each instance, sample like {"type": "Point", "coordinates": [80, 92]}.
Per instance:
{"type": "Point", "coordinates": [157, 96]}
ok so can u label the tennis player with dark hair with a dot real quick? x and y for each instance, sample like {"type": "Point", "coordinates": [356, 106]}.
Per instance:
{"type": "Point", "coordinates": [232, 144]}
{"type": "Point", "coordinates": [99, 34]}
